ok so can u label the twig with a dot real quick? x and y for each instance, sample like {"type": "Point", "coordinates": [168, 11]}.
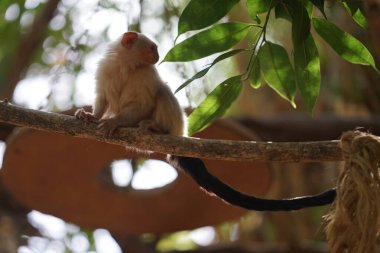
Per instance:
{"type": "Point", "coordinates": [28, 45]}
{"type": "Point", "coordinates": [168, 144]}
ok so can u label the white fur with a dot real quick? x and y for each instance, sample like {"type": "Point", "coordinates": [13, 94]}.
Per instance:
{"type": "Point", "coordinates": [131, 90]}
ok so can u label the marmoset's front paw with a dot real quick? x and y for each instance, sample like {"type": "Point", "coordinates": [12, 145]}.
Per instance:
{"type": "Point", "coordinates": [86, 116]}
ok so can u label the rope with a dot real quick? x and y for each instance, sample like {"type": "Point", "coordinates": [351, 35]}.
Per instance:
{"type": "Point", "coordinates": [353, 224]}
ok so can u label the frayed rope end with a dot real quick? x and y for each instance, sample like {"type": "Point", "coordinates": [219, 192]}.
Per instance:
{"type": "Point", "coordinates": [353, 224]}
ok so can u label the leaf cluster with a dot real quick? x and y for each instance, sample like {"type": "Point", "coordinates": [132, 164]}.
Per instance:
{"type": "Point", "coordinates": [269, 61]}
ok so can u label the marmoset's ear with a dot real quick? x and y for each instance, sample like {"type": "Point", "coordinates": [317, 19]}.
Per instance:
{"type": "Point", "coordinates": [128, 39]}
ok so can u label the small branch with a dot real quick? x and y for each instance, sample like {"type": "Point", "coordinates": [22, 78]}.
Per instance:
{"type": "Point", "coordinates": [28, 45]}
{"type": "Point", "coordinates": [168, 144]}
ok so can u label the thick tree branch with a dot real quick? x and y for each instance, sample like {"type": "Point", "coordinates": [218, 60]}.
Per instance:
{"type": "Point", "coordinates": [168, 144]}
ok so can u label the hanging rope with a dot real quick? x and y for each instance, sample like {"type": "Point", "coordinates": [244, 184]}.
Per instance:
{"type": "Point", "coordinates": [353, 224]}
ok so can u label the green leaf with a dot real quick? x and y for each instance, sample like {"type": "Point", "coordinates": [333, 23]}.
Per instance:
{"type": "Point", "coordinates": [254, 75]}
{"type": "Point", "coordinates": [300, 22]}
{"type": "Point", "coordinates": [306, 59]}
{"type": "Point", "coordinates": [277, 70]}
{"type": "Point", "coordinates": [305, 53]}
{"type": "Point", "coordinates": [199, 14]}
{"type": "Point", "coordinates": [294, 10]}
{"type": "Point", "coordinates": [198, 75]}
{"type": "Point", "coordinates": [283, 10]}
{"type": "Point", "coordinates": [355, 9]}
{"type": "Point", "coordinates": [320, 4]}
{"type": "Point", "coordinates": [215, 104]}
{"type": "Point", "coordinates": [256, 7]}
{"type": "Point", "coordinates": [308, 5]}
{"type": "Point", "coordinates": [216, 39]}
{"type": "Point", "coordinates": [308, 72]}
{"type": "Point", "coordinates": [348, 47]}
{"type": "Point", "coordinates": [205, 70]}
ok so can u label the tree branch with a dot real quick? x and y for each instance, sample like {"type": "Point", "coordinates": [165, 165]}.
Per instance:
{"type": "Point", "coordinates": [28, 45]}
{"type": "Point", "coordinates": [168, 144]}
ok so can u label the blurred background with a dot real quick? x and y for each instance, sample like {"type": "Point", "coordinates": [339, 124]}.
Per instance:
{"type": "Point", "coordinates": [49, 51]}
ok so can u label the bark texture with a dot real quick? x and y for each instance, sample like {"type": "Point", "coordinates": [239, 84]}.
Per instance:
{"type": "Point", "coordinates": [167, 144]}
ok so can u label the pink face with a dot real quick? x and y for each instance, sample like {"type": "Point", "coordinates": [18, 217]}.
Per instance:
{"type": "Point", "coordinates": [149, 54]}
{"type": "Point", "coordinates": [146, 48]}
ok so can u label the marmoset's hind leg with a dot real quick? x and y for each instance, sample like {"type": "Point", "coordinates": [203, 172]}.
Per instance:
{"type": "Point", "coordinates": [148, 125]}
